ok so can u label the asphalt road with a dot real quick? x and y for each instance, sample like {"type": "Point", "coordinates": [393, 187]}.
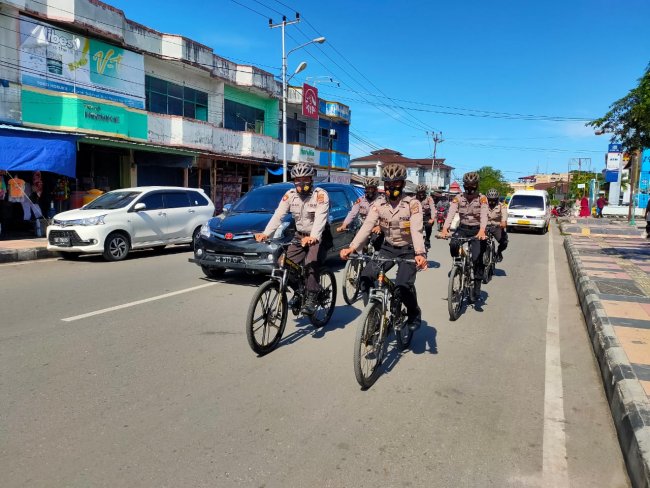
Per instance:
{"type": "Point", "coordinates": [167, 393]}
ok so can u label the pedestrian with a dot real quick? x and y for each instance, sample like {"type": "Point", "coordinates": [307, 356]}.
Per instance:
{"type": "Point", "coordinates": [584, 207]}
{"type": "Point", "coordinates": [600, 204]}
{"type": "Point", "coordinates": [647, 220]}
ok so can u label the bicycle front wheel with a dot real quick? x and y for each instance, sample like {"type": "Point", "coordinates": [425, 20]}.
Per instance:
{"type": "Point", "coordinates": [455, 292]}
{"type": "Point", "coordinates": [369, 345]}
{"type": "Point", "coordinates": [326, 299]}
{"type": "Point", "coordinates": [266, 318]}
{"type": "Point", "coordinates": [351, 275]}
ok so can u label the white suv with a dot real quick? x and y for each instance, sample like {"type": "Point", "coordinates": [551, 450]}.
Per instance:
{"type": "Point", "coordinates": [132, 218]}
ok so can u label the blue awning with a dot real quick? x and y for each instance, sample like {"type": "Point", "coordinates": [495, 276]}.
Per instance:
{"type": "Point", "coordinates": [29, 150]}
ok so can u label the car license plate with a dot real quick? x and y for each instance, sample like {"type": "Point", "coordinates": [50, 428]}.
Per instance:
{"type": "Point", "coordinates": [523, 222]}
{"type": "Point", "coordinates": [229, 259]}
{"type": "Point", "coordinates": [61, 241]}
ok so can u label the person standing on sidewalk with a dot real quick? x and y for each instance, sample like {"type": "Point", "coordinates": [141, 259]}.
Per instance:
{"type": "Point", "coordinates": [600, 204]}
{"type": "Point", "coordinates": [647, 220]}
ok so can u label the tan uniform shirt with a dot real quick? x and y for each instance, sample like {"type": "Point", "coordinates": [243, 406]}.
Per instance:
{"type": "Point", "coordinates": [361, 208]}
{"type": "Point", "coordinates": [427, 208]}
{"type": "Point", "coordinates": [310, 214]}
{"type": "Point", "coordinates": [497, 214]}
{"type": "Point", "coordinates": [474, 213]}
{"type": "Point", "coordinates": [401, 225]}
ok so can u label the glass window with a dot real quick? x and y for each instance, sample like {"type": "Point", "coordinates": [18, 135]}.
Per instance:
{"type": "Point", "coordinates": [197, 200]}
{"type": "Point", "coordinates": [112, 200]}
{"type": "Point", "coordinates": [238, 116]}
{"type": "Point", "coordinates": [202, 98]}
{"type": "Point", "coordinates": [174, 90]}
{"type": "Point", "coordinates": [153, 201]}
{"type": "Point", "coordinates": [202, 113]}
{"type": "Point", "coordinates": [169, 98]}
{"type": "Point", "coordinates": [262, 200]}
{"type": "Point", "coordinates": [189, 110]}
{"type": "Point", "coordinates": [527, 202]}
{"type": "Point", "coordinates": [157, 85]}
{"type": "Point", "coordinates": [338, 201]}
{"type": "Point", "coordinates": [176, 199]}
{"type": "Point", "coordinates": [174, 106]}
{"type": "Point", "coordinates": [189, 94]}
{"type": "Point", "coordinates": [157, 103]}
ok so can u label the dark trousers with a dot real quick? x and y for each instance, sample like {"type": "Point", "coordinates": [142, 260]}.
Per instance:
{"type": "Point", "coordinates": [647, 227]}
{"type": "Point", "coordinates": [405, 280]}
{"type": "Point", "coordinates": [312, 258]}
{"type": "Point", "coordinates": [501, 237]}
{"type": "Point", "coordinates": [427, 230]}
{"type": "Point", "coordinates": [477, 249]}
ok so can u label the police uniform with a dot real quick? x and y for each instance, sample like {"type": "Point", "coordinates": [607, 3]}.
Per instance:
{"type": "Point", "coordinates": [473, 217]}
{"type": "Point", "coordinates": [402, 229]}
{"type": "Point", "coordinates": [497, 216]}
{"type": "Point", "coordinates": [361, 208]}
{"type": "Point", "coordinates": [310, 214]}
{"type": "Point", "coordinates": [428, 206]}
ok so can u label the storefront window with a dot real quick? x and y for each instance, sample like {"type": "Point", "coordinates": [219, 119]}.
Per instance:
{"type": "Point", "coordinates": [242, 117]}
{"type": "Point", "coordinates": [164, 97]}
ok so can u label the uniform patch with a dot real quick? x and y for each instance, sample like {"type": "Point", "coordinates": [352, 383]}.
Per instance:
{"type": "Point", "coordinates": [358, 200]}
{"type": "Point", "coordinates": [321, 197]}
{"type": "Point", "coordinates": [483, 200]}
{"type": "Point", "coordinates": [415, 208]}
{"type": "Point", "coordinates": [455, 200]}
{"type": "Point", "coordinates": [285, 197]}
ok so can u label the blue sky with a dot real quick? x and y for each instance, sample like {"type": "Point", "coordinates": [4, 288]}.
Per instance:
{"type": "Point", "coordinates": [410, 67]}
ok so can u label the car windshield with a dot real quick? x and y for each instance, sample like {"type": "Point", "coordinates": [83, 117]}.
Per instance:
{"type": "Point", "coordinates": [113, 200]}
{"type": "Point", "coordinates": [262, 200]}
{"type": "Point", "coordinates": [527, 201]}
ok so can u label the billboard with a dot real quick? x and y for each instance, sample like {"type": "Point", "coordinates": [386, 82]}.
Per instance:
{"type": "Point", "coordinates": [58, 60]}
{"type": "Point", "coordinates": [335, 109]}
{"type": "Point", "coordinates": [309, 101]}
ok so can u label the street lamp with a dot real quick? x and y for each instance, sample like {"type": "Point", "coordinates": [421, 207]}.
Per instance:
{"type": "Point", "coordinates": [301, 66]}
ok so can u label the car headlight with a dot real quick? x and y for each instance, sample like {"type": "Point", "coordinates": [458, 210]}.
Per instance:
{"type": "Point", "coordinates": [98, 220]}
{"type": "Point", "coordinates": [279, 233]}
{"type": "Point", "coordinates": [205, 230]}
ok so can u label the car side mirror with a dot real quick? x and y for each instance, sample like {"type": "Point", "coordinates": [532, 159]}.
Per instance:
{"type": "Point", "coordinates": [227, 207]}
{"type": "Point", "coordinates": [139, 206]}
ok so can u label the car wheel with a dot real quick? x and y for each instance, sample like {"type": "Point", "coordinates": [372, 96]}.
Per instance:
{"type": "Point", "coordinates": [213, 272]}
{"type": "Point", "coordinates": [70, 256]}
{"type": "Point", "coordinates": [195, 238]}
{"type": "Point", "coordinates": [116, 246]}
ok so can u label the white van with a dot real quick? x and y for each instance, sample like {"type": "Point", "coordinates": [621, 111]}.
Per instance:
{"type": "Point", "coordinates": [529, 209]}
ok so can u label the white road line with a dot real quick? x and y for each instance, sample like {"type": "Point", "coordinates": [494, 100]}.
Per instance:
{"type": "Point", "coordinates": [33, 261]}
{"type": "Point", "coordinates": [555, 472]}
{"type": "Point", "coordinates": [138, 302]}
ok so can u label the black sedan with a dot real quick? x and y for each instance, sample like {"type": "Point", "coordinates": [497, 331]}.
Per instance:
{"type": "Point", "coordinates": [228, 242]}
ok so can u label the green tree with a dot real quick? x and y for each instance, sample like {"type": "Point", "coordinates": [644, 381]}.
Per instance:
{"type": "Point", "coordinates": [583, 178]}
{"type": "Point", "coordinates": [493, 178]}
{"type": "Point", "coordinates": [628, 120]}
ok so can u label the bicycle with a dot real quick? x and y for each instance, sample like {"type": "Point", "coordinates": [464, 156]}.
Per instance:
{"type": "Point", "coordinates": [489, 257]}
{"type": "Point", "coordinates": [352, 273]}
{"type": "Point", "coordinates": [461, 279]}
{"type": "Point", "coordinates": [271, 297]}
{"type": "Point", "coordinates": [383, 313]}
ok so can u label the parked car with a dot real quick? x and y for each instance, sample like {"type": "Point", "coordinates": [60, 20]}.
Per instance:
{"type": "Point", "coordinates": [529, 209]}
{"type": "Point", "coordinates": [132, 218]}
{"type": "Point", "coordinates": [228, 242]}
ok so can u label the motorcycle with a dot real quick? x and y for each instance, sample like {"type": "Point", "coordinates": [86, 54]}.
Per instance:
{"type": "Point", "coordinates": [441, 216]}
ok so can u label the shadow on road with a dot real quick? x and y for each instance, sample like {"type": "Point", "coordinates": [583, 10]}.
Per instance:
{"type": "Point", "coordinates": [239, 278]}
{"type": "Point", "coordinates": [425, 339]}
{"type": "Point", "coordinates": [133, 254]}
{"type": "Point", "coordinates": [342, 316]}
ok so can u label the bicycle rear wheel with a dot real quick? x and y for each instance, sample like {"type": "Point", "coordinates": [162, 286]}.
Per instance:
{"type": "Point", "coordinates": [351, 275]}
{"type": "Point", "coordinates": [369, 345]}
{"type": "Point", "coordinates": [455, 292]}
{"type": "Point", "coordinates": [402, 331]}
{"type": "Point", "coordinates": [326, 299]}
{"type": "Point", "coordinates": [488, 260]}
{"type": "Point", "coordinates": [266, 318]}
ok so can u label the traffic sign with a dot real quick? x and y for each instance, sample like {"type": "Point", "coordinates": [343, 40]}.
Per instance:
{"type": "Point", "coordinates": [615, 148]}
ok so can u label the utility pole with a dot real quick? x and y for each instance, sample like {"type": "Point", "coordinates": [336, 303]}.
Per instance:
{"type": "Point", "coordinates": [631, 211]}
{"type": "Point", "coordinates": [437, 137]}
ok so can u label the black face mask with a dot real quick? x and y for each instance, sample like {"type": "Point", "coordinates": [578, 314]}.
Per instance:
{"type": "Point", "coordinates": [471, 191]}
{"type": "Point", "coordinates": [370, 195]}
{"type": "Point", "coordinates": [394, 192]}
{"type": "Point", "coordinates": [421, 196]}
{"type": "Point", "coordinates": [493, 203]}
{"type": "Point", "coordinates": [303, 188]}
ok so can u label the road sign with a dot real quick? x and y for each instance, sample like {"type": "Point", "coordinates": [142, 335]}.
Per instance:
{"type": "Point", "coordinates": [615, 148]}
{"type": "Point", "coordinates": [581, 185]}
{"type": "Point", "coordinates": [613, 161]}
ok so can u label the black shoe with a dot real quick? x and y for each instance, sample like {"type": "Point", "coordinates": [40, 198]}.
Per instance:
{"type": "Point", "coordinates": [476, 291]}
{"type": "Point", "coordinates": [499, 257]}
{"type": "Point", "coordinates": [415, 322]}
{"type": "Point", "coordinates": [310, 304]}
{"type": "Point", "coordinates": [427, 243]}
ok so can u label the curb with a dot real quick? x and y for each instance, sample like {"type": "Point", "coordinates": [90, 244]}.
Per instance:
{"type": "Point", "coordinates": [17, 255]}
{"type": "Point", "coordinates": [627, 399]}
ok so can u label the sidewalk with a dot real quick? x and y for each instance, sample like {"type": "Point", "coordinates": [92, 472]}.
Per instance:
{"type": "Point", "coordinates": [24, 250]}
{"type": "Point", "coordinates": [610, 263]}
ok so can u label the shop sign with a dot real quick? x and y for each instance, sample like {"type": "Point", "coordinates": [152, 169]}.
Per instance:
{"type": "Point", "coordinates": [334, 176]}
{"type": "Point", "coordinates": [309, 101]}
{"type": "Point", "coordinates": [58, 60]}
{"type": "Point", "coordinates": [613, 161]}
{"type": "Point", "coordinates": [69, 112]}
{"type": "Point", "coordinates": [307, 155]}
{"type": "Point", "coordinates": [335, 109]}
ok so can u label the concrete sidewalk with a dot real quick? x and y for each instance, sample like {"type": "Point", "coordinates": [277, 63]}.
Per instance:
{"type": "Point", "coordinates": [610, 262]}
{"type": "Point", "coordinates": [24, 250]}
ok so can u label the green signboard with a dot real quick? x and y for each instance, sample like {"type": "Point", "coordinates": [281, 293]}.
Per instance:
{"type": "Point", "coordinates": [59, 111]}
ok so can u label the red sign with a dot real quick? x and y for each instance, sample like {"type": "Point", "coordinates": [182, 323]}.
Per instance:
{"type": "Point", "coordinates": [309, 101]}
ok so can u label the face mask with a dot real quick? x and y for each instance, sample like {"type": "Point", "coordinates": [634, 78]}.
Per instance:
{"type": "Point", "coordinates": [421, 196]}
{"type": "Point", "coordinates": [303, 188]}
{"type": "Point", "coordinates": [492, 203]}
{"type": "Point", "coordinates": [471, 191]}
{"type": "Point", "coordinates": [370, 195]}
{"type": "Point", "coordinates": [393, 192]}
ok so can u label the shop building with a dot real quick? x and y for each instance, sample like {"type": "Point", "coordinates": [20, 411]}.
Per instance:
{"type": "Point", "coordinates": [143, 107]}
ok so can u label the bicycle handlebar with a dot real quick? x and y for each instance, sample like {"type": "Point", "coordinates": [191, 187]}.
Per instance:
{"type": "Point", "coordinates": [365, 257]}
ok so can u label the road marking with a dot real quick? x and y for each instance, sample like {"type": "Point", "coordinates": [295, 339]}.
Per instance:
{"type": "Point", "coordinates": [555, 472]}
{"type": "Point", "coordinates": [138, 302]}
{"type": "Point", "coordinates": [33, 261]}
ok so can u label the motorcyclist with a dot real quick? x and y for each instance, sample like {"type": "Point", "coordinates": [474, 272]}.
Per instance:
{"type": "Point", "coordinates": [497, 221]}
{"type": "Point", "coordinates": [427, 206]}
{"type": "Point", "coordinates": [400, 218]}
{"type": "Point", "coordinates": [473, 210]}
{"type": "Point", "coordinates": [310, 209]}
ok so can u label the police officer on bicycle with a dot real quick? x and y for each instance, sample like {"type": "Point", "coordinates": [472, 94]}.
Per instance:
{"type": "Point", "coordinates": [427, 208]}
{"type": "Point", "coordinates": [400, 218]}
{"type": "Point", "coordinates": [361, 208]}
{"type": "Point", "coordinates": [497, 221]}
{"type": "Point", "coordinates": [310, 209]}
{"type": "Point", "coordinates": [473, 210]}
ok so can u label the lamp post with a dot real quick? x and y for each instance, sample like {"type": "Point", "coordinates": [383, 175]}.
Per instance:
{"type": "Point", "coordinates": [285, 55]}
{"type": "Point", "coordinates": [437, 137]}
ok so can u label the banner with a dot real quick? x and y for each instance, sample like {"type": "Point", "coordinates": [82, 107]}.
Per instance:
{"type": "Point", "coordinates": [309, 101]}
{"type": "Point", "coordinates": [58, 60]}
